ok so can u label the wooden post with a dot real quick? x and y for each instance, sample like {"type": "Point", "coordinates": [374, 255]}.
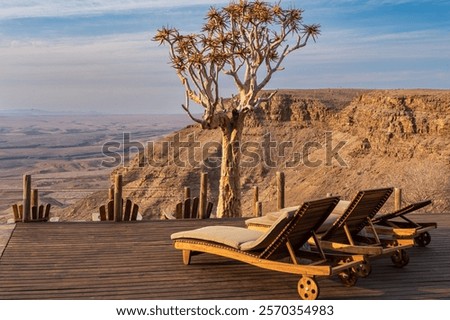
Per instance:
{"type": "Point", "coordinates": [258, 209]}
{"type": "Point", "coordinates": [255, 200]}
{"type": "Point", "coordinates": [35, 204]}
{"type": "Point", "coordinates": [203, 195]}
{"type": "Point", "coordinates": [179, 211]}
{"type": "Point", "coordinates": [118, 181]}
{"type": "Point", "coordinates": [280, 190]}
{"type": "Point", "coordinates": [35, 198]}
{"type": "Point", "coordinates": [187, 193]}
{"type": "Point", "coordinates": [26, 198]}
{"type": "Point", "coordinates": [187, 208]}
{"type": "Point", "coordinates": [398, 199]}
{"type": "Point", "coordinates": [111, 193]}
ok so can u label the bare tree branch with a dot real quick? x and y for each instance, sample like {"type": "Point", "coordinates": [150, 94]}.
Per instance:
{"type": "Point", "coordinates": [186, 108]}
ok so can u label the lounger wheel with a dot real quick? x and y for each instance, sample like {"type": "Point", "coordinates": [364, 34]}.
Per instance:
{"type": "Point", "coordinates": [363, 270]}
{"type": "Point", "coordinates": [423, 240]}
{"type": "Point", "coordinates": [348, 277]}
{"type": "Point", "coordinates": [400, 258]}
{"type": "Point", "coordinates": [308, 289]}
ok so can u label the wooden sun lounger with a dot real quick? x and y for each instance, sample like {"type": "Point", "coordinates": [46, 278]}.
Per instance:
{"type": "Point", "coordinates": [347, 234]}
{"type": "Point", "coordinates": [399, 225]}
{"type": "Point", "coordinates": [267, 250]}
{"type": "Point", "coordinates": [394, 225]}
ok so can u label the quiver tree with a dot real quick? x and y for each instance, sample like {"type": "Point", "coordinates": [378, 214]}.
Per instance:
{"type": "Point", "coordinates": [247, 41]}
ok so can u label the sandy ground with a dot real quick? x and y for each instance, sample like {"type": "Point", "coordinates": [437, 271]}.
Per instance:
{"type": "Point", "coordinates": [67, 155]}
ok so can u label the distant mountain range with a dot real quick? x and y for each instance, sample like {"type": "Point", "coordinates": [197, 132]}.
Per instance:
{"type": "Point", "coordinates": [39, 112]}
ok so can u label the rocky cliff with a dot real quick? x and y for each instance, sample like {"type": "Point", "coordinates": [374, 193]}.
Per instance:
{"type": "Point", "coordinates": [326, 141]}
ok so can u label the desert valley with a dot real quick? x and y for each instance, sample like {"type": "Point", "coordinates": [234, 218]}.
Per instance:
{"type": "Point", "coordinates": [325, 141]}
{"type": "Point", "coordinates": [64, 152]}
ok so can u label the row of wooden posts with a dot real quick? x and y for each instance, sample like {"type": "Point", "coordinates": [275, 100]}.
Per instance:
{"type": "Point", "coordinates": [257, 205]}
{"type": "Point", "coordinates": [197, 207]}
{"type": "Point", "coordinates": [281, 183]}
{"type": "Point", "coordinates": [116, 193]}
{"type": "Point", "coordinates": [30, 197]}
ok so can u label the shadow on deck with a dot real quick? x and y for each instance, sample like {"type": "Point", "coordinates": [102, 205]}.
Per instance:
{"type": "Point", "coordinates": [136, 260]}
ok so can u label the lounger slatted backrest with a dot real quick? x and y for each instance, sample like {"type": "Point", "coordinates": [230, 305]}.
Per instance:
{"type": "Point", "coordinates": [398, 213]}
{"type": "Point", "coordinates": [306, 220]}
{"type": "Point", "coordinates": [361, 210]}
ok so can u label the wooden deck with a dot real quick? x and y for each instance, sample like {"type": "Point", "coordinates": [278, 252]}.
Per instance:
{"type": "Point", "coordinates": [136, 260]}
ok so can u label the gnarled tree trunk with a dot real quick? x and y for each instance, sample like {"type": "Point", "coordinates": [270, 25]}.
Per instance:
{"type": "Point", "coordinates": [229, 202]}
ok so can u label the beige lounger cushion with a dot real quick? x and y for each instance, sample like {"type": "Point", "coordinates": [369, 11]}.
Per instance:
{"type": "Point", "coordinates": [269, 220]}
{"type": "Point", "coordinates": [328, 223]}
{"type": "Point", "coordinates": [335, 214]}
{"type": "Point", "coordinates": [275, 215]}
{"type": "Point", "coordinates": [230, 236]}
{"type": "Point", "coordinates": [341, 207]}
{"type": "Point", "coordinates": [271, 217]}
{"type": "Point", "coordinates": [262, 221]}
{"type": "Point", "coordinates": [235, 237]}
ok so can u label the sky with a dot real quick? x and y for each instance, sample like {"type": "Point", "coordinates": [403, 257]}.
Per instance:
{"type": "Point", "coordinates": [97, 55]}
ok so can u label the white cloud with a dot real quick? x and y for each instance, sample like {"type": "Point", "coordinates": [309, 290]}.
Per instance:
{"type": "Point", "coordinates": [56, 8]}
{"type": "Point", "coordinates": [128, 72]}
{"type": "Point", "coordinates": [114, 73]}
{"type": "Point", "coordinates": [365, 3]}
{"type": "Point", "coordinates": [357, 45]}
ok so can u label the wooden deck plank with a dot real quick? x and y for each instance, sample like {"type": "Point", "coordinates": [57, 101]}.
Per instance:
{"type": "Point", "coordinates": [5, 234]}
{"type": "Point", "coordinates": [85, 261]}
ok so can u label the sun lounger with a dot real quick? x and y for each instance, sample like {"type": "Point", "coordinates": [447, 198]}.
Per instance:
{"type": "Point", "coordinates": [349, 232]}
{"type": "Point", "coordinates": [350, 229]}
{"type": "Point", "coordinates": [270, 249]}
{"type": "Point", "coordinates": [394, 224]}
{"type": "Point", "coordinates": [402, 227]}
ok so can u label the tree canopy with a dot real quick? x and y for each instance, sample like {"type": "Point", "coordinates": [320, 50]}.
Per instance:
{"type": "Point", "coordinates": [246, 40]}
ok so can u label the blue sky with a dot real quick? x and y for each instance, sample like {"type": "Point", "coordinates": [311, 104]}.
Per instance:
{"type": "Point", "coordinates": [97, 55]}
